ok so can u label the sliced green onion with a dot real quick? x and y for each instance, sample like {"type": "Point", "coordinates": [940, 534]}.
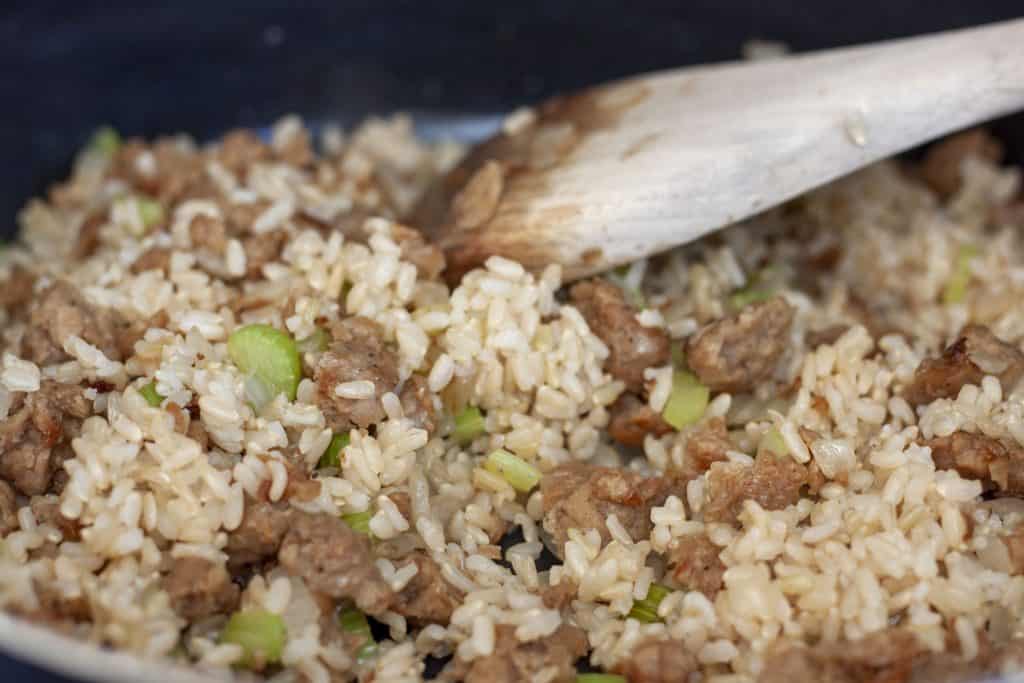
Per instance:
{"type": "Point", "coordinates": [687, 401]}
{"type": "Point", "coordinates": [956, 288]}
{"type": "Point", "coordinates": [359, 521]}
{"type": "Point", "coordinates": [260, 633]}
{"type": "Point", "coordinates": [600, 678]}
{"type": "Point", "coordinates": [469, 424]}
{"type": "Point", "coordinates": [646, 610]}
{"type": "Point", "coordinates": [314, 343]}
{"type": "Point", "coordinates": [149, 393]}
{"type": "Point", "coordinates": [521, 475]}
{"type": "Point", "coordinates": [105, 141]}
{"type": "Point", "coordinates": [150, 210]}
{"type": "Point", "coordinates": [772, 442]}
{"type": "Point", "coordinates": [332, 456]}
{"type": "Point", "coordinates": [269, 355]}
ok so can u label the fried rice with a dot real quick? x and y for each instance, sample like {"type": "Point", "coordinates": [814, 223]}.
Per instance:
{"type": "Point", "coordinates": [793, 450]}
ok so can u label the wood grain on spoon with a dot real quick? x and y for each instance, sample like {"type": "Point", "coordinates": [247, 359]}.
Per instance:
{"type": "Point", "coordinates": [629, 169]}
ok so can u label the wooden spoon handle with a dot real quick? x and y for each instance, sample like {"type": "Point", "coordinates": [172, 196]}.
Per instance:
{"type": "Point", "coordinates": [625, 170]}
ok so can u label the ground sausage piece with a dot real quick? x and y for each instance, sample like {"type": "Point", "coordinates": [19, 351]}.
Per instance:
{"type": "Point", "coordinates": [993, 663]}
{"type": "Point", "coordinates": [28, 466]}
{"type": "Point", "coordinates": [633, 348]}
{"type": "Point", "coordinates": [239, 149]}
{"type": "Point", "coordinates": [356, 352]}
{"type": "Point", "coordinates": [773, 482]}
{"type": "Point", "coordinates": [8, 509]}
{"type": "Point", "coordinates": [60, 312]}
{"type": "Point", "coordinates": [883, 656]}
{"type": "Point", "coordinates": [334, 560]}
{"type": "Point", "coordinates": [155, 258]}
{"type": "Point", "coordinates": [428, 259]}
{"type": "Point", "coordinates": [975, 353]}
{"type": "Point", "coordinates": [418, 404]}
{"type": "Point", "coordinates": [826, 335]}
{"type": "Point", "coordinates": [580, 496]}
{"type": "Point", "coordinates": [632, 420]}
{"type": "Point", "coordinates": [259, 535]}
{"type": "Point", "coordinates": [428, 598]}
{"type": "Point", "coordinates": [17, 289]}
{"type": "Point", "coordinates": [694, 564]}
{"type": "Point", "coordinates": [734, 354]}
{"type": "Point", "coordinates": [1011, 215]}
{"type": "Point", "coordinates": [998, 463]}
{"type": "Point", "coordinates": [708, 443]}
{"type": "Point", "coordinates": [88, 236]}
{"type": "Point", "coordinates": [658, 661]}
{"type": "Point", "coordinates": [560, 595]}
{"type": "Point", "coordinates": [943, 163]}
{"type": "Point", "coordinates": [261, 249]}
{"type": "Point", "coordinates": [199, 588]}
{"type": "Point", "coordinates": [209, 233]}
{"type": "Point", "coordinates": [29, 434]}
{"type": "Point", "coordinates": [890, 656]}
{"type": "Point", "coordinates": [130, 332]}
{"type": "Point", "coordinates": [513, 661]}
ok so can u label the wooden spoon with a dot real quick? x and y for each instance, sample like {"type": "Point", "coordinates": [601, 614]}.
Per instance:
{"type": "Point", "coordinates": [628, 169]}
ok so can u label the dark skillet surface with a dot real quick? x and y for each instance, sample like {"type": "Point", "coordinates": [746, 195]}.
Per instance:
{"type": "Point", "coordinates": [204, 67]}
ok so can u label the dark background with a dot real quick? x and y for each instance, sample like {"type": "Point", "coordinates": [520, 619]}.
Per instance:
{"type": "Point", "coordinates": [203, 67]}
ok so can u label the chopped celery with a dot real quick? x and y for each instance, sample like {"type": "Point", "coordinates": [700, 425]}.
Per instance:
{"type": "Point", "coordinates": [368, 651]}
{"type": "Point", "coordinates": [742, 298]}
{"type": "Point", "coordinates": [149, 393]}
{"type": "Point", "coordinates": [261, 634]}
{"type": "Point", "coordinates": [687, 401]}
{"type": "Point", "coordinates": [772, 442]}
{"type": "Point", "coordinates": [646, 610]}
{"type": "Point", "coordinates": [105, 141]}
{"type": "Point", "coordinates": [761, 287]}
{"type": "Point", "coordinates": [520, 474]}
{"type": "Point", "coordinates": [359, 521]}
{"type": "Point", "coordinates": [268, 355]}
{"type": "Point", "coordinates": [314, 343]}
{"type": "Point", "coordinates": [469, 424]}
{"type": "Point", "coordinates": [600, 678]}
{"type": "Point", "coordinates": [354, 621]}
{"type": "Point", "coordinates": [332, 456]}
{"type": "Point", "coordinates": [956, 287]}
{"type": "Point", "coordinates": [151, 211]}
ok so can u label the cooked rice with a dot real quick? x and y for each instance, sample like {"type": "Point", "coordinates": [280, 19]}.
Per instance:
{"type": "Point", "coordinates": [887, 536]}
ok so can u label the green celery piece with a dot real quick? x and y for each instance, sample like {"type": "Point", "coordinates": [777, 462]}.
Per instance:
{"type": "Point", "coordinates": [521, 475]}
{"type": "Point", "coordinates": [469, 424]}
{"type": "Point", "coordinates": [687, 401]}
{"type": "Point", "coordinates": [332, 456]}
{"type": "Point", "coordinates": [269, 355]}
{"type": "Point", "coordinates": [261, 634]}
